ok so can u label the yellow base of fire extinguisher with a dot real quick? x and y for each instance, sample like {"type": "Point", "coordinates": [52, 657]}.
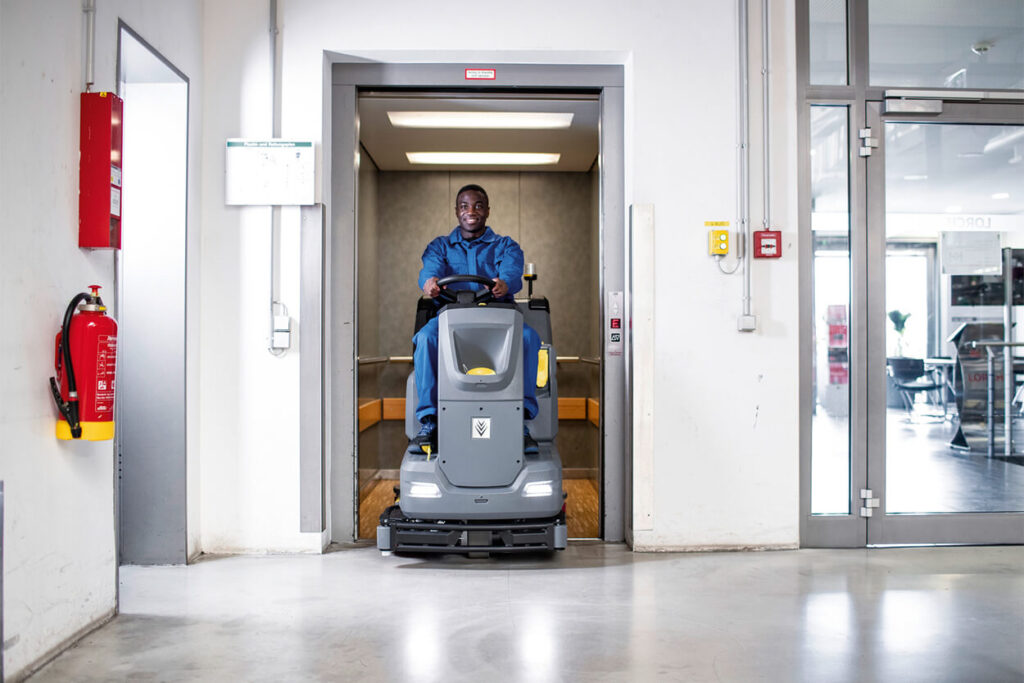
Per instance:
{"type": "Point", "coordinates": [91, 431]}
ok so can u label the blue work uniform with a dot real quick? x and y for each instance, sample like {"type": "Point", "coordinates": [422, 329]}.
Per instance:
{"type": "Point", "coordinates": [491, 256]}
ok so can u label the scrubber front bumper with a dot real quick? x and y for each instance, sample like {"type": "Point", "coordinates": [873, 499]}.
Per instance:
{"type": "Point", "coordinates": [402, 534]}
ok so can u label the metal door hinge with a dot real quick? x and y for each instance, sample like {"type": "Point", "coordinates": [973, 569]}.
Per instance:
{"type": "Point", "coordinates": [867, 142]}
{"type": "Point", "coordinates": [870, 503]}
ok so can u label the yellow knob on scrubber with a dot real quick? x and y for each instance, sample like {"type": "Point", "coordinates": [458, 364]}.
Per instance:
{"type": "Point", "coordinates": [480, 371]}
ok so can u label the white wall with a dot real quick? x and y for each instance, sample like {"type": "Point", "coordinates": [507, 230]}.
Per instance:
{"type": "Point", "coordinates": [60, 563]}
{"type": "Point", "coordinates": [725, 460]}
{"type": "Point", "coordinates": [249, 434]}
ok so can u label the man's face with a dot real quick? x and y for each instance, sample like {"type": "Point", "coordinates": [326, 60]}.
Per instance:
{"type": "Point", "coordinates": [472, 211]}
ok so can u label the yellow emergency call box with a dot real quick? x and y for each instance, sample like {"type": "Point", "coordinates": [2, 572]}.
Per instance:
{"type": "Point", "coordinates": [718, 242]}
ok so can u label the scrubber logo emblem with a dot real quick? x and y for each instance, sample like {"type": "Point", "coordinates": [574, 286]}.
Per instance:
{"type": "Point", "coordinates": [481, 428]}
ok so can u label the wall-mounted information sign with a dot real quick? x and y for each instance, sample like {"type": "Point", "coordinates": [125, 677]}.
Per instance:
{"type": "Point", "coordinates": [970, 253]}
{"type": "Point", "coordinates": [269, 172]}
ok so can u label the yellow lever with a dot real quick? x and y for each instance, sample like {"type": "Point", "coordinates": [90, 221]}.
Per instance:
{"type": "Point", "coordinates": [542, 368]}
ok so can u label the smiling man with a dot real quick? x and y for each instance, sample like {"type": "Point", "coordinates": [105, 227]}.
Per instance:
{"type": "Point", "coordinates": [472, 248]}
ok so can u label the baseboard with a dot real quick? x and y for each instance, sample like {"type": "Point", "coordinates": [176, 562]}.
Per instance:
{"type": "Point", "coordinates": [55, 652]}
{"type": "Point", "coordinates": [643, 548]}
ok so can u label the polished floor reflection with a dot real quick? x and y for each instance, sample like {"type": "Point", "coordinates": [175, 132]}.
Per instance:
{"type": "Point", "coordinates": [594, 612]}
{"type": "Point", "coordinates": [923, 473]}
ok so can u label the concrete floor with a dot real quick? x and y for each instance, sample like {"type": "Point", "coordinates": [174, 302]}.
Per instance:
{"type": "Point", "coordinates": [595, 612]}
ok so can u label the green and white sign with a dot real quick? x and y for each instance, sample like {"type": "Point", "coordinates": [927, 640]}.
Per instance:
{"type": "Point", "coordinates": [269, 172]}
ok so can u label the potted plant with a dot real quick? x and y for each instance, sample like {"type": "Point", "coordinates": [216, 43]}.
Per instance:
{"type": "Point", "coordinates": [899, 321]}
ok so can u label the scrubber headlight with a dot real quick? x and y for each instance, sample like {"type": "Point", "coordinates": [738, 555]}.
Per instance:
{"type": "Point", "coordinates": [537, 489]}
{"type": "Point", "coordinates": [429, 489]}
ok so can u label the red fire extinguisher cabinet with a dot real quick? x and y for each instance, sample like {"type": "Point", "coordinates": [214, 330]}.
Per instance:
{"type": "Point", "coordinates": [99, 181]}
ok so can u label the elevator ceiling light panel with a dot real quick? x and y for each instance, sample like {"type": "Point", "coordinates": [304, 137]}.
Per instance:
{"type": "Point", "coordinates": [395, 128]}
{"type": "Point", "coordinates": [493, 120]}
{"type": "Point", "coordinates": [483, 158]}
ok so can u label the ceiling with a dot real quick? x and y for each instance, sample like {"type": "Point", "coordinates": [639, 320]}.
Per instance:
{"type": "Point", "coordinates": [387, 145]}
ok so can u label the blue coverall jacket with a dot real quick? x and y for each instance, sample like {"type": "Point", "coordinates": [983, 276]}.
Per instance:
{"type": "Point", "coordinates": [491, 256]}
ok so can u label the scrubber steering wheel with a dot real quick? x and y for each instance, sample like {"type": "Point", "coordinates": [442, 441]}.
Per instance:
{"type": "Point", "coordinates": [451, 296]}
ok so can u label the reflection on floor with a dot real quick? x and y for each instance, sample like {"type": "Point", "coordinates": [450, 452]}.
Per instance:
{"type": "Point", "coordinates": [595, 612]}
{"type": "Point", "coordinates": [581, 507]}
{"type": "Point", "coordinates": [923, 473]}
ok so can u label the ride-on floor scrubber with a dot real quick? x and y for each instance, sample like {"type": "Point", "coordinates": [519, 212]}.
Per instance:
{"type": "Point", "coordinates": [480, 493]}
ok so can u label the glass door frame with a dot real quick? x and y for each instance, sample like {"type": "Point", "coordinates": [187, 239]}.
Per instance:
{"type": "Point", "coordinates": [866, 356]}
{"type": "Point", "coordinates": [909, 528]}
{"type": "Point", "coordinates": [834, 530]}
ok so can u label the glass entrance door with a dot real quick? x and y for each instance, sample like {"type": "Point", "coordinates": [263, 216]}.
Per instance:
{"type": "Point", "coordinates": [945, 280]}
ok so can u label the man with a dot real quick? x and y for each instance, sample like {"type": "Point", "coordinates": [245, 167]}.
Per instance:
{"type": "Point", "coordinates": [471, 248]}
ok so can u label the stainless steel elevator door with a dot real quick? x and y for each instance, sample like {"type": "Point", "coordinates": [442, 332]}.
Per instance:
{"type": "Point", "coordinates": [151, 310]}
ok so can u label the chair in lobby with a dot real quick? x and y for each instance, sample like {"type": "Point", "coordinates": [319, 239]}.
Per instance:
{"type": "Point", "coordinates": [910, 377]}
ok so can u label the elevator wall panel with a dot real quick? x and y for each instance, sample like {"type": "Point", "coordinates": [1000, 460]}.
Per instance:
{"type": "Point", "coordinates": [553, 216]}
{"type": "Point", "coordinates": [549, 214]}
{"type": "Point", "coordinates": [412, 209]}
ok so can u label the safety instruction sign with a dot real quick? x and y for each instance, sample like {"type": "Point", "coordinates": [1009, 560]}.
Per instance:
{"type": "Point", "coordinates": [269, 172]}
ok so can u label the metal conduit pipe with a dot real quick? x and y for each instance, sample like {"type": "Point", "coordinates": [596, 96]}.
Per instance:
{"type": "Point", "coordinates": [747, 321]}
{"type": "Point", "coordinates": [744, 161]}
{"type": "Point", "coordinates": [275, 211]}
{"type": "Point", "coordinates": [765, 95]}
{"type": "Point", "coordinates": [89, 10]}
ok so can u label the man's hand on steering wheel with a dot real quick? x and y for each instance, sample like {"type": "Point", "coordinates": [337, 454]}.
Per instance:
{"type": "Point", "coordinates": [430, 288]}
{"type": "Point", "coordinates": [489, 292]}
{"type": "Point", "coordinates": [500, 288]}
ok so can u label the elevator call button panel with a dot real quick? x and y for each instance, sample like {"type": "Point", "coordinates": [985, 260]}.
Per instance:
{"type": "Point", "coordinates": [614, 314]}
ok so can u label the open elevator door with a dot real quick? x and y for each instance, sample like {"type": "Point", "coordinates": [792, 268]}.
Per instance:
{"type": "Point", "coordinates": [348, 80]}
{"type": "Point", "coordinates": [547, 202]}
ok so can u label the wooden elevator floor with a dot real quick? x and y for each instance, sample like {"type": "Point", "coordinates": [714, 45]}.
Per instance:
{"type": "Point", "coordinates": [581, 509]}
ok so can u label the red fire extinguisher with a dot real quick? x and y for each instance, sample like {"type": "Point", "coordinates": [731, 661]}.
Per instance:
{"type": "Point", "coordinates": [85, 360]}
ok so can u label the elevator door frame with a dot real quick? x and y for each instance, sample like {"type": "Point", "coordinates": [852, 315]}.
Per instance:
{"type": "Point", "coordinates": [340, 160]}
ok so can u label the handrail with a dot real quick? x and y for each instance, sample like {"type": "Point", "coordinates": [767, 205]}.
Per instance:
{"type": "Point", "coordinates": [976, 344]}
{"type": "Point", "coordinates": [377, 360]}
{"type": "Point", "coordinates": [578, 359]}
